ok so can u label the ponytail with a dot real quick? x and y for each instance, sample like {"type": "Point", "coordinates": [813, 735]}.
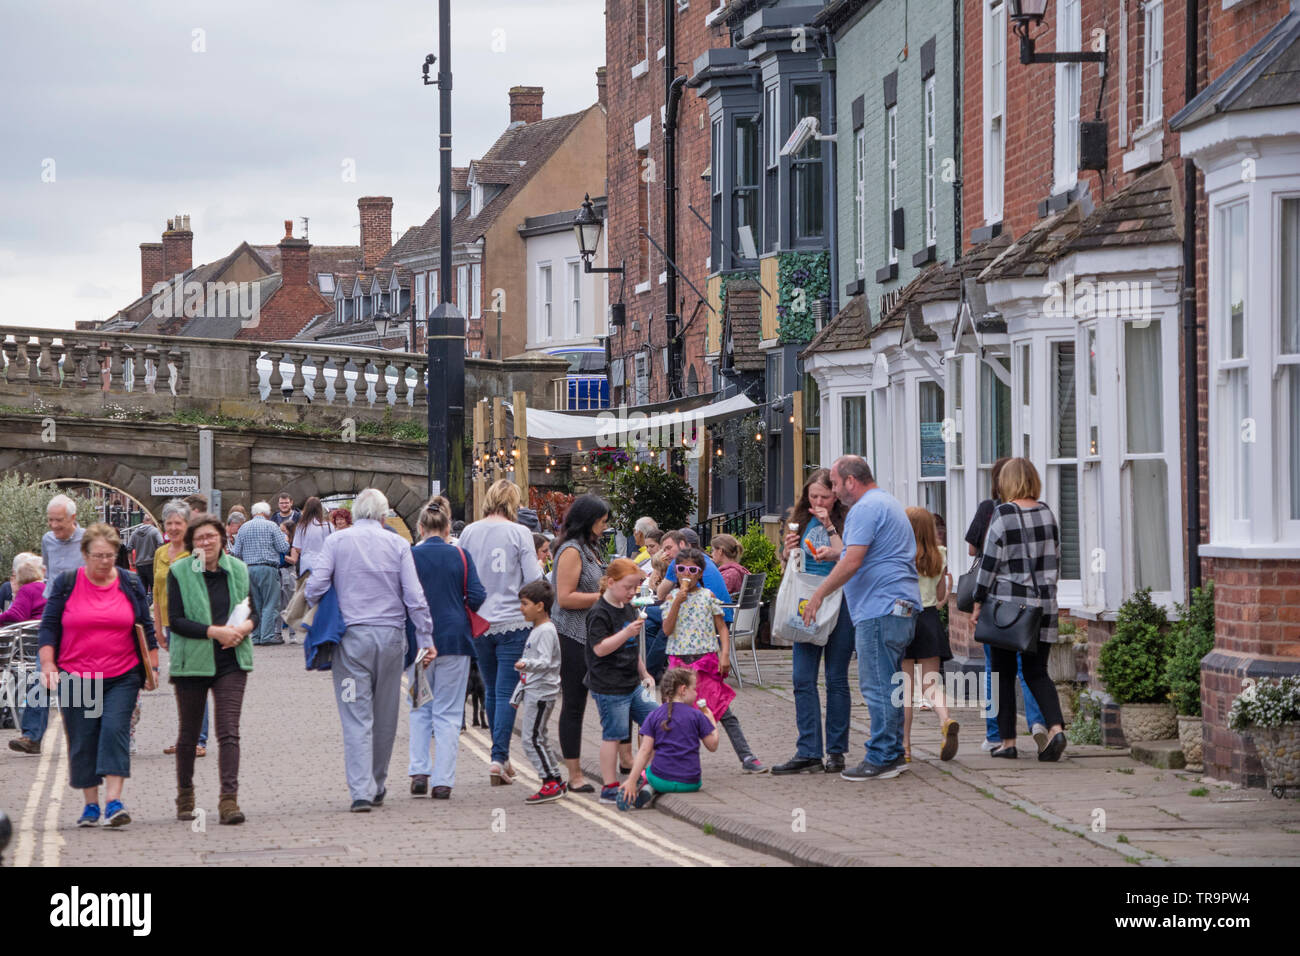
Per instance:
{"type": "Point", "coordinates": [674, 680]}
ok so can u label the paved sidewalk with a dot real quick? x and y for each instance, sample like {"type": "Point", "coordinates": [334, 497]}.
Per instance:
{"type": "Point", "coordinates": [1096, 807]}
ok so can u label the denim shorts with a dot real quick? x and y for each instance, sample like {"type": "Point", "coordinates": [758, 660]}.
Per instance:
{"type": "Point", "coordinates": [616, 710]}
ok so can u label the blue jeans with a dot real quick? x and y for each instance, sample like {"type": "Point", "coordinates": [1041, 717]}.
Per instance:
{"type": "Point", "coordinates": [1033, 713]}
{"type": "Point", "coordinates": [99, 746]}
{"type": "Point", "coordinates": [439, 721]}
{"type": "Point", "coordinates": [35, 715]}
{"type": "Point", "coordinates": [496, 655]}
{"type": "Point", "coordinates": [881, 642]}
{"type": "Point", "coordinates": [807, 703]}
{"type": "Point", "coordinates": [656, 642]}
{"type": "Point", "coordinates": [264, 583]}
{"type": "Point", "coordinates": [618, 710]}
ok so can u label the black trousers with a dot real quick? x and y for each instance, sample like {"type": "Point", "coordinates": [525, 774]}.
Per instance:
{"type": "Point", "coordinates": [1040, 685]}
{"type": "Point", "coordinates": [573, 668]}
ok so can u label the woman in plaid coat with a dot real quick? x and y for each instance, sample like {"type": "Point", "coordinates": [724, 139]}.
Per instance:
{"type": "Point", "coordinates": [1023, 536]}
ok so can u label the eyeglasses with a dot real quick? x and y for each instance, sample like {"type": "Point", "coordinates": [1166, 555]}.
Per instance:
{"type": "Point", "coordinates": [687, 569]}
{"type": "Point", "coordinates": [112, 556]}
{"type": "Point", "coordinates": [204, 538]}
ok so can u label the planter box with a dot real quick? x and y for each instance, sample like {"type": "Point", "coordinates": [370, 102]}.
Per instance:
{"type": "Point", "coordinates": [1191, 736]}
{"type": "Point", "coordinates": [1148, 722]}
{"type": "Point", "coordinates": [1279, 752]}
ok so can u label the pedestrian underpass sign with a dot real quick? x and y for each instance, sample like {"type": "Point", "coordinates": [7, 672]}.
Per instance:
{"type": "Point", "coordinates": [173, 486]}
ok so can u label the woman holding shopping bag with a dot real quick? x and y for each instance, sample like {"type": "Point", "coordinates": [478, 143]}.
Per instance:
{"type": "Point", "coordinates": [813, 529]}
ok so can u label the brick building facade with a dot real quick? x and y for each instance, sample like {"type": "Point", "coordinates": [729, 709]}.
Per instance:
{"type": "Point", "coordinates": [635, 176]}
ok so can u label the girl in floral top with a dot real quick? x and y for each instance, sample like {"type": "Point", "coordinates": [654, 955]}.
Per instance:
{"type": "Point", "coordinates": [698, 639]}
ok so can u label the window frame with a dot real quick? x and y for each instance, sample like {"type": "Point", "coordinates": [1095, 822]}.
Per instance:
{"type": "Point", "coordinates": [545, 298]}
{"type": "Point", "coordinates": [810, 160]}
{"type": "Point", "coordinates": [420, 312]}
{"type": "Point", "coordinates": [891, 178]}
{"type": "Point", "coordinates": [476, 290]}
{"type": "Point", "coordinates": [1069, 97]}
{"type": "Point", "coordinates": [1227, 526]}
{"type": "Point", "coordinates": [1284, 364]}
{"type": "Point", "coordinates": [860, 199]}
{"type": "Point", "coordinates": [995, 108]}
{"type": "Point", "coordinates": [573, 272]}
{"type": "Point", "coordinates": [931, 160]}
{"type": "Point", "coordinates": [1153, 57]}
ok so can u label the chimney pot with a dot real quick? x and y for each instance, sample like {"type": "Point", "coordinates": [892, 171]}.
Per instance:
{"type": "Point", "coordinates": [602, 87]}
{"type": "Point", "coordinates": [525, 104]}
{"type": "Point", "coordinates": [177, 246]}
{"type": "Point", "coordinates": [288, 229]}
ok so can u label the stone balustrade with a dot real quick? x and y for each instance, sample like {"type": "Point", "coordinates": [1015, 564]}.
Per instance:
{"type": "Point", "coordinates": [183, 372]}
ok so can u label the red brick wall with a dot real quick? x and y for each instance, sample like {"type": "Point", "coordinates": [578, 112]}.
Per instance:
{"type": "Point", "coordinates": [151, 266]}
{"type": "Point", "coordinates": [629, 101]}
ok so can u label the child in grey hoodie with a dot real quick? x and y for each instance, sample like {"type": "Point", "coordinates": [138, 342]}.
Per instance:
{"type": "Point", "coordinates": [539, 668]}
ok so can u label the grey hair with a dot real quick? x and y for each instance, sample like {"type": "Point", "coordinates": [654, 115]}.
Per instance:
{"type": "Point", "coordinates": [261, 508]}
{"type": "Point", "coordinates": [371, 504]}
{"type": "Point", "coordinates": [27, 566]}
{"type": "Point", "coordinates": [62, 501]}
{"type": "Point", "coordinates": [645, 525]}
{"type": "Point", "coordinates": [176, 507]}
{"type": "Point", "coordinates": [855, 467]}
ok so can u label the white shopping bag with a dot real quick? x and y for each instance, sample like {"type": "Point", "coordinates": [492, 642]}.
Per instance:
{"type": "Point", "coordinates": [797, 586]}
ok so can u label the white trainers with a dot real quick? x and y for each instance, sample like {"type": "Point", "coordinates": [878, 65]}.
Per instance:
{"type": "Point", "coordinates": [1039, 733]}
{"type": "Point", "coordinates": [989, 745]}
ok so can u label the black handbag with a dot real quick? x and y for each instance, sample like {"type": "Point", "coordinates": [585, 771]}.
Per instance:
{"type": "Point", "coordinates": [966, 587]}
{"type": "Point", "coordinates": [1010, 624]}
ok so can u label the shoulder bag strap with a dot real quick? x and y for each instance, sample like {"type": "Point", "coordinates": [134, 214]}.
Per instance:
{"type": "Point", "coordinates": [1029, 559]}
{"type": "Point", "coordinates": [464, 575]}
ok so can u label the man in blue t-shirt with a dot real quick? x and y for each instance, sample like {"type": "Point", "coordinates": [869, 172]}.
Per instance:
{"type": "Point", "coordinates": [878, 573]}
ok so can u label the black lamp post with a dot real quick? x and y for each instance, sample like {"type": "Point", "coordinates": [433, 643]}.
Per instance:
{"type": "Point", "coordinates": [445, 330]}
{"type": "Point", "coordinates": [1029, 13]}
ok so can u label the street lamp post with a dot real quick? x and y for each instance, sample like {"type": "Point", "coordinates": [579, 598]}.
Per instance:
{"type": "Point", "coordinates": [445, 331]}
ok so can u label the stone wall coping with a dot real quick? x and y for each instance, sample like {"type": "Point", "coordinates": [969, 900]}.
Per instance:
{"type": "Point", "coordinates": [1251, 552]}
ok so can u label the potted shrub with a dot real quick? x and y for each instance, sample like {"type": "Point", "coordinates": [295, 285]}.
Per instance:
{"type": "Point", "coordinates": [1192, 638]}
{"type": "Point", "coordinates": [1132, 669]}
{"type": "Point", "coordinates": [1269, 711]}
{"type": "Point", "coordinates": [647, 489]}
{"type": "Point", "coordinates": [760, 556]}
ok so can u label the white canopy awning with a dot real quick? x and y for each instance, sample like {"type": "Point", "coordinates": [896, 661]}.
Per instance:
{"type": "Point", "coordinates": [619, 426]}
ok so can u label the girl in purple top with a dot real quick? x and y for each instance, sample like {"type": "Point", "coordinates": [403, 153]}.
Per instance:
{"type": "Point", "coordinates": [669, 758]}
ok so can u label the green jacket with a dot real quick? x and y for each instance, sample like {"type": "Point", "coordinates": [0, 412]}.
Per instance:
{"type": "Point", "coordinates": [192, 657]}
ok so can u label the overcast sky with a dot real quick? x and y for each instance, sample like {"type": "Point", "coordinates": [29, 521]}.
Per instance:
{"type": "Point", "coordinates": [119, 115]}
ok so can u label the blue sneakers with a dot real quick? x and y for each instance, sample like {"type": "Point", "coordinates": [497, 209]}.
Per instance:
{"type": "Point", "coordinates": [89, 815]}
{"type": "Point", "coordinates": [645, 795]}
{"type": "Point", "coordinates": [115, 815]}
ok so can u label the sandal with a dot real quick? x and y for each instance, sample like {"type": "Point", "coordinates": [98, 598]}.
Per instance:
{"type": "Point", "coordinates": [169, 750]}
{"type": "Point", "coordinates": [200, 751]}
{"type": "Point", "coordinates": [498, 775]}
{"type": "Point", "coordinates": [585, 788]}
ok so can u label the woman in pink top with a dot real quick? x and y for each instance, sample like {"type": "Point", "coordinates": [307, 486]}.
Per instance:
{"type": "Point", "coordinates": [90, 654]}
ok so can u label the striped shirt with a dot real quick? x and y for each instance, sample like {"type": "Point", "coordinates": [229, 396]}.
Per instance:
{"type": "Point", "coordinates": [1004, 570]}
{"type": "Point", "coordinates": [260, 541]}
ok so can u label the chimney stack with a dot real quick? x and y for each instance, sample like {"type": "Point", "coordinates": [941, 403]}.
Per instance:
{"type": "Point", "coordinates": [151, 266]}
{"type": "Point", "coordinates": [177, 246]}
{"type": "Point", "coordinates": [376, 228]}
{"type": "Point", "coordinates": [602, 88]}
{"type": "Point", "coordinates": [294, 254]}
{"type": "Point", "coordinates": [525, 104]}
